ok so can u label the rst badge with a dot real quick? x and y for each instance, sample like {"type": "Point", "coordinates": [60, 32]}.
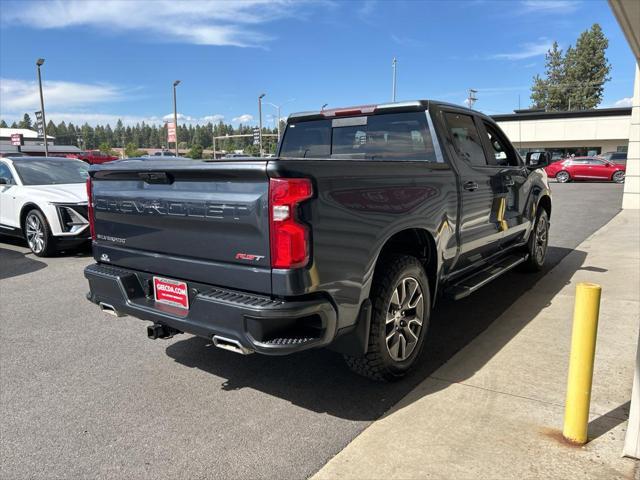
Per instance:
{"type": "Point", "coordinates": [249, 256]}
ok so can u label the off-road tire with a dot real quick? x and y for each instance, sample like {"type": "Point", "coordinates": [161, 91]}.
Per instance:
{"type": "Point", "coordinates": [377, 363]}
{"type": "Point", "coordinates": [534, 262]}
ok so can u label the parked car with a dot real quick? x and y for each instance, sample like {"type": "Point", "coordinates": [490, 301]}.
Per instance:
{"type": "Point", "coordinates": [615, 157]}
{"type": "Point", "coordinates": [346, 239]}
{"type": "Point", "coordinates": [93, 157]}
{"type": "Point", "coordinates": [586, 168]}
{"type": "Point", "coordinates": [44, 200]}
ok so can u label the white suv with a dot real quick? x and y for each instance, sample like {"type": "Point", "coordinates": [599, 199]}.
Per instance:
{"type": "Point", "coordinates": [44, 200]}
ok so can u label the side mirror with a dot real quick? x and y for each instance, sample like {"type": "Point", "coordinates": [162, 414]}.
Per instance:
{"type": "Point", "coordinates": [4, 181]}
{"type": "Point", "coordinates": [538, 159]}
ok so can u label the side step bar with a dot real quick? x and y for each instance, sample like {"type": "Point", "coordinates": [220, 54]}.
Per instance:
{"type": "Point", "coordinates": [466, 286]}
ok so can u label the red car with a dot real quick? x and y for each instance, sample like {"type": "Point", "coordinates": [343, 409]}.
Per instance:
{"type": "Point", "coordinates": [586, 168]}
{"type": "Point", "coordinates": [94, 156]}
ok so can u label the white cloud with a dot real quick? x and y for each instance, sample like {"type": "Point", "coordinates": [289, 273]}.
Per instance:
{"type": "Point", "coordinates": [80, 118]}
{"type": "Point", "coordinates": [213, 118]}
{"type": "Point", "coordinates": [21, 95]}
{"type": "Point", "coordinates": [549, 6]}
{"type": "Point", "coordinates": [624, 102]}
{"type": "Point", "coordinates": [406, 41]}
{"type": "Point", "coordinates": [246, 118]}
{"type": "Point", "coordinates": [222, 22]}
{"type": "Point", "coordinates": [182, 118]}
{"type": "Point", "coordinates": [526, 50]}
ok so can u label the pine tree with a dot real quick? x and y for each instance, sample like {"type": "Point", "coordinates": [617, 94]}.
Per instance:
{"type": "Point", "coordinates": [588, 69]}
{"type": "Point", "coordinates": [25, 122]}
{"type": "Point", "coordinates": [575, 80]}
{"type": "Point", "coordinates": [3, 124]}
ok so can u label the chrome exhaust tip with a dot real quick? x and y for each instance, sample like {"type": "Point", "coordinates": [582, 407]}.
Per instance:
{"type": "Point", "coordinates": [106, 308]}
{"type": "Point", "coordinates": [231, 345]}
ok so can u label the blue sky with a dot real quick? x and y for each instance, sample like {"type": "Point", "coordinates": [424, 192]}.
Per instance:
{"type": "Point", "coordinates": [110, 59]}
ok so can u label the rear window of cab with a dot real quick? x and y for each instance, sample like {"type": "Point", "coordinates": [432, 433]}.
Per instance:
{"type": "Point", "coordinates": [392, 136]}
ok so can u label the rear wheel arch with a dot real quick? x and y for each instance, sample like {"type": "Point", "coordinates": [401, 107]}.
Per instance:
{"type": "Point", "coordinates": [417, 242]}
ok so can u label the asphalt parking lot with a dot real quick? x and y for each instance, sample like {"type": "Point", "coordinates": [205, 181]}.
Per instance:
{"type": "Point", "coordinates": [84, 394]}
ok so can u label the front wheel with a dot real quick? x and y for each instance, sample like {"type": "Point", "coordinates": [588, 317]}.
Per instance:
{"type": "Point", "coordinates": [538, 242]}
{"type": "Point", "coordinates": [38, 234]}
{"type": "Point", "coordinates": [563, 177]}
{"type": "Point", "coordinates": [399, 320]}
{"type": "Point", "coordinates": [618, 176]}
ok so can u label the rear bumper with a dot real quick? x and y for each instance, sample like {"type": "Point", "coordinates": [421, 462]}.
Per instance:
{"type": "Point", "coordinates": [258, 323]}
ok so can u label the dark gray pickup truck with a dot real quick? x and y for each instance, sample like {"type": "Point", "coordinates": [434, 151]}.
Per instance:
{"type": "Point", "coordinates": [345, 239]}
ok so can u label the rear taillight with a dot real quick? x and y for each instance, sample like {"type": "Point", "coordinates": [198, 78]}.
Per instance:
{"type": "Point", "coordinates": [289, 236]}
{"type": "Point", "coordinates": [92, 226]}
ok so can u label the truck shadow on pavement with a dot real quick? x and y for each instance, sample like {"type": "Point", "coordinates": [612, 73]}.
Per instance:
{"type": "Point", "coordinates": [14, 263]}
{"type": "Point", "coordinates": [320, 381]}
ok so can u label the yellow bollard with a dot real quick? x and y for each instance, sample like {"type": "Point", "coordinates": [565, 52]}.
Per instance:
{"type": "Point", "coordinates": [583, 349]}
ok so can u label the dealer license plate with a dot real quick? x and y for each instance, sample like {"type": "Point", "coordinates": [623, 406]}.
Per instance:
{"type": "Point", "coordinates": [170, 291]}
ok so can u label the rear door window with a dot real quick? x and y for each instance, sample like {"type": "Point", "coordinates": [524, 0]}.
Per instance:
{"type": "Point", "coordinates": [393, 136]}
{"type": "Point", "coordinates": [465, 138]}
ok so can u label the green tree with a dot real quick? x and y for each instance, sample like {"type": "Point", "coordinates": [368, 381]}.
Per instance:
{"type": "Point", "coordinates": [547, 93]}
{"type": "Point", "coordinates": [3, 124]}
{"type": "Point", "coordinates": [587, 69]}
{"type": "Point", "coordinates": [131, 150]}
{"type": "Point", "coordinates": [105, 148]}
{"type": "Point", "coordinates": [25, 122]}
{"type": "Point", "coordinates": [576, 79]}
{"type": "Point", "coordinates": [195, 151]}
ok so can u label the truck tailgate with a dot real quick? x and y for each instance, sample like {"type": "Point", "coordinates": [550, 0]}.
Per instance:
{"type": "Point", "coordinates": [190, 220]}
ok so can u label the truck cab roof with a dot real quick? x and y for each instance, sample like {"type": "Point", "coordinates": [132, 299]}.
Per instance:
{"type": "Point", "coordinates": [408, 106]}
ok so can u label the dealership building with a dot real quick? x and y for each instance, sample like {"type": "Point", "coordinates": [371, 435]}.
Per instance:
{"type": "Point", "coordinates": [33, 144]}
{"type": "Point", "coordinates": [581, 132]}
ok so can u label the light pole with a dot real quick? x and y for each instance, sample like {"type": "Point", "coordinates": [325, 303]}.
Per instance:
{"type": "Point", "coordinates": [394, 64]}
{"type": "Point", "coordinates": [260, 120]}
{"type": "Point", "coordinates": [278, 107]}
{"type": "Point", "coordinates": [39, 63]}
{"type": "Point", "coordinates": [175, 113]}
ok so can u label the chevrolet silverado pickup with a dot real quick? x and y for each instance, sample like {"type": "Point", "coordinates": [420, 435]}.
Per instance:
{"type": "Point", "coordinates": [344, 240]}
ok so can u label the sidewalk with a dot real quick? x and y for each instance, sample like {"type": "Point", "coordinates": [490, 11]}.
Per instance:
{"type": "Point", "coordinates": [495, 410]}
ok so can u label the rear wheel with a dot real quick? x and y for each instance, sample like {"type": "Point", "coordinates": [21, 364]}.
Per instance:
{"type": "Point", "coordinates": [563, 176]}
{"type": "Point", "coordinates": [399, 320]}
{"type": "Point", "coordinates": [618, 176]}
{"type": "Point", "coordinates": [38, 234]}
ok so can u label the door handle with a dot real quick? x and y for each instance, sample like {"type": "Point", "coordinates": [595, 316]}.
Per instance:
{"type": "Point", "coordinates": [470, 186]}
